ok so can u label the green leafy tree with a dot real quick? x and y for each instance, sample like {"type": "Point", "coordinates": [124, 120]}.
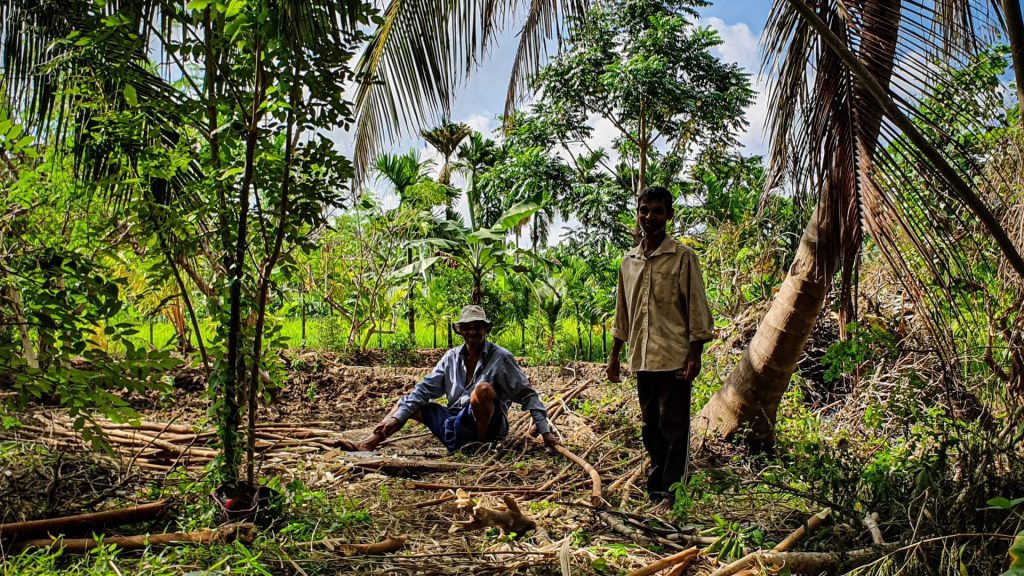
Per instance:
{"type": "Point", "coordinates": [644, 67]}
{"type": "Point", "coordinates": [65, 335]}
{"type": "Point", "coordinates": [529, 170]}
{"type": "Point", "coordinates": [481, 252]}
{"type": "Point", "coordinates": [209, 118]}
{"type": "Point", "coordinates": [352, 267]}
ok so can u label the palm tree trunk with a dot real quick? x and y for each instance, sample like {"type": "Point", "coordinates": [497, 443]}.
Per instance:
{"type": "Point", "coordinates": [1015, 32]}
{"type": "Point", "coordinates": [478, 290]}
{"type": "Point", "coordinates": [750, 397]}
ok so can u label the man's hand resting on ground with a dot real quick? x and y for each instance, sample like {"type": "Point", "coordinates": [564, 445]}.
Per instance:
{"type": "Point", "coordinates": [550, 440]}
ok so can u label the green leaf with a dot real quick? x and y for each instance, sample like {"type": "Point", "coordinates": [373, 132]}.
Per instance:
{"type": "Point", "coordinates": [235, 7]}
{"type": "Point", "coordinates": [999, 503]}
{"type": "Point", "coordinates": [198, 4]}
{"type": "Point", "coordinates": [415, 267]}
{"type": "Point", "coordinates": [1016, 557]}
{"type": "Point", "coordinates": [517, 214]}
{"type": "Point", "coordinates": [481, 235]}
{"type": "Point", "coordinates": [23, 143]}
{"type": "Point", "coordinates": [130, 96]}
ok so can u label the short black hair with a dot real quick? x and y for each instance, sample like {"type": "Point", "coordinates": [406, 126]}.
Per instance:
{"type": "Point", "coordinates": [657, 194]}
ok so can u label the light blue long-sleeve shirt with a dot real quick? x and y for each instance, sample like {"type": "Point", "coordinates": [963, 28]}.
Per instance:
{"type": "Point", "coordinates": [496, 366]}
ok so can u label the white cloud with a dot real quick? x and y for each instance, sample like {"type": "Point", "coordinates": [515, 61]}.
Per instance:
{"type": "Point", "coordinates": [481, 123]}
{"type": "Point", "coordinates": [740, 46]}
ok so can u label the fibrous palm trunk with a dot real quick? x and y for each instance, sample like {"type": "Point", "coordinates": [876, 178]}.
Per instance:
{"type": "Point", "coordinates": [751, 395]}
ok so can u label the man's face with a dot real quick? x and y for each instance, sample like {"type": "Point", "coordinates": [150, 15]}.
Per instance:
{"type": "Point", "coordinates": [653, 215]}
{"type": "Point", "coordinates": [472, 332]}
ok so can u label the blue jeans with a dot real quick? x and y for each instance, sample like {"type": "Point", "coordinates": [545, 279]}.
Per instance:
{"type": "Point", "coordinates": [456, 427]}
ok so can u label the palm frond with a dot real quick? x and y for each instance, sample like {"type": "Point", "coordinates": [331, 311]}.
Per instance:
{"type": "Point", "coordinates": [544, 21]}
{"type": "Point", "coordinates": [423, 50]}
{"type": "Point", "coordinates": [903, 176]}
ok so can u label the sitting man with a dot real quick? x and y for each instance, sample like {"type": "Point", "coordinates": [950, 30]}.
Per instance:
{"type": "Point", "coordinates": [480, 380]}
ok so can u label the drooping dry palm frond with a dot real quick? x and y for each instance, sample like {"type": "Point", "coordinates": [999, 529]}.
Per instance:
{"type": "Point", "coordinates": [423, 50]}
{"type": "Point", "coordinates": [880, 161]}
{"type": "Point", "coordinates": [543, 21]}
{"type": "Point", "coordinates": [129, 51]}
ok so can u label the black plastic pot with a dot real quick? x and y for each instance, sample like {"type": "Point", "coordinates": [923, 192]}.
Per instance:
{"type": "Point", "coordinates": [243, 502]}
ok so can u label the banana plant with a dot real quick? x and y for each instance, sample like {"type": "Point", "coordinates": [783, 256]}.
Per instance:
{"type": "Point", "coordinates": [479, 252]}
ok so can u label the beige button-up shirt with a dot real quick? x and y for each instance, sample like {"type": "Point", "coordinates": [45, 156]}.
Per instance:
{"type": "Point", "coordinates": [661, 306]}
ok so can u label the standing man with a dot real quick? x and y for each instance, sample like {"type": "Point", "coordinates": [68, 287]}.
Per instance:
{"type": "Point", "coordinates": [480, 381]}
{"type": "Point", "coordinates": [662, 312]}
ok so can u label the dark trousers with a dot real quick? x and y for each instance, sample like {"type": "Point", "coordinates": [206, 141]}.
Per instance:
{"type": "Point", "coordinates": [665, 408]}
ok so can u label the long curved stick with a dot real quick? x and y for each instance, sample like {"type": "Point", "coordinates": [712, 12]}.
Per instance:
{"type": "Point", "coordinates": [596, 499]}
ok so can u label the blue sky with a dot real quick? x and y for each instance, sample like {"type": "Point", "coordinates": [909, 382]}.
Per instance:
{"type": "Point", "coordinates": [738, 22]}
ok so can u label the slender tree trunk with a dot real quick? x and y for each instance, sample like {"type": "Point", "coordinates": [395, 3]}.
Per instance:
{"type": "Point", "coordinates": [750, 397]}
{"type": "Point", "coordinates": [1015, 32]}
{"type": "Point", "coordinates": [579, 333]}
{"type": "Point", "coordinates": [234, 377]}
{"type": "Point", "coordinates": [28, 349]}
{"type": "Point", "coordinates": [264, 292]}
{"type": "Point", "coordinates": [642, 149]}
{"type": "Point", "coordinates": [450, 335]}
{"type": "Point", "coordinates": [412, 299]}
{"type": "Point", "coordinates": [478, 289]}
{"type": "Point", "coordinates": [303, 315]}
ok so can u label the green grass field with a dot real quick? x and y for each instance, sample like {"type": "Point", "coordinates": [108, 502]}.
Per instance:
{"type": "Point", "coordinates": [325, 334]}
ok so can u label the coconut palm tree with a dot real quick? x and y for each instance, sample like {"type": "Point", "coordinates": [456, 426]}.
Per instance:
{"type": "Point", "coordinates": [844, 111]}
{"type": "Point", "coordinates": [423, 50]}
{"type": "Point", "coordinates": [474, 156]}
{"type": "Point", "coordinates": [446, 138]}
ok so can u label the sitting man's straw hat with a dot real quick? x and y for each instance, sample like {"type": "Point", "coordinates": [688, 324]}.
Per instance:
{"type": "Point", "coordinates": [473, 313]}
